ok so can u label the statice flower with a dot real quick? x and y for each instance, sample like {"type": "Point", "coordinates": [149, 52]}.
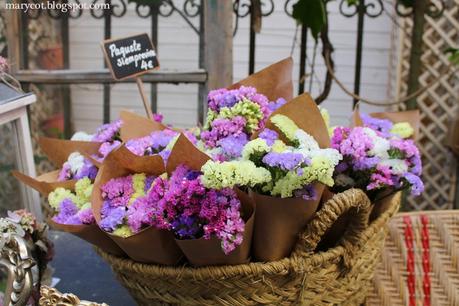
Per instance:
{"type": "Point", "coordinates": [231, 146]}
{"type": "Point", "coordinates": [192, 211]}
{"type": "Point", "coordinates": [105, 149]}
{"type": "Point", "coordinates": [382, 126]}
{"type": "Point", "coordinates": [273, 106]}
{"type": "Point", "coordinates": [77, 167]}
{"type": "Point", "coordinates": [376, 160]}
{"type": "Point", "coordinates": [402, 129]}
{"type": "Point", "coordinates": [231, 114]}
{"type": "Point", "coordinates": [82, 136]}
{"type": "Point", "coordinates": [108, 132]}
{"type": "Point", "coordinates": [152, 144]}
{"type": "Point", "coordinates": [73, 208]}
{"type": "Point", "coordinates": [387, 128]}
{"type": "Point", "coordinates": [271, 167]}
{"type": "Point", "coordinates": [127, 209]}
{"type": "Point", "coordinates": [269, 136]}
{"type": "Point", "coordinates": [218, 175]}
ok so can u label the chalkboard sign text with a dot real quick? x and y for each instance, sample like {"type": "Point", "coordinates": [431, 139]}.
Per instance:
{"type": "Point", "coordinates": [130, 56]}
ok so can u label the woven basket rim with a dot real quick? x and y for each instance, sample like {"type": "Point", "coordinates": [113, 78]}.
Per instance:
{"type": "Point", "coordinates": [292, 264]}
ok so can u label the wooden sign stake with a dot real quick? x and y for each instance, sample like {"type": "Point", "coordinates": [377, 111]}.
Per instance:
{"type": "Point", "coordinates": [131, 57]}
{"type": "Point", "coordinates": [144, 98]}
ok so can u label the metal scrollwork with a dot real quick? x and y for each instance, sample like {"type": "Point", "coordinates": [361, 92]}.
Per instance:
{"type": "Point", "coordinates": [51, 297]}
{"type": "Point", "coordinates": [288, 7]}
{"type": "Point", "coordinates": [371, 8]}
{"type": "Point", "coordinates": [242, 9]}
{"type": "Point", "coordinates": [434, 9]}
{"type": "Point", "coordinates": [15, 257]}
{"type": "Point", "coordinates": [191, 8]}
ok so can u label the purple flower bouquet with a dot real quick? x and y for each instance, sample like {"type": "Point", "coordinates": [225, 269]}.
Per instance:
{"type": "Point", "coordinates": [121, 206]}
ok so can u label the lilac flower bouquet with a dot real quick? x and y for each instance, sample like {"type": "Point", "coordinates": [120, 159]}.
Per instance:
{"type": "Point", "coordinates": [73, 208]}
{"type": "Point", "coordinates": [233, 116]}
{"type": "Point", "coordinates": [376, 161]}
{"type": "Point", "coordinates": [125, 211]}
{"type": "Point", "coordinates": [192, 211]}
{"type": "Point", "coordinates": [278, 169]}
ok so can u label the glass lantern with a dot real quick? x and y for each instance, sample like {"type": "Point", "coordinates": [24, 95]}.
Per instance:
{"type": "Point", "coordinates": [16, 152]}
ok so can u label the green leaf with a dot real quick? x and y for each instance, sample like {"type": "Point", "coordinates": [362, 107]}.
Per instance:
{"type": "Point", "coordinates": [453, 55]}
{"type": "Point", "coordinates": [312, 14]}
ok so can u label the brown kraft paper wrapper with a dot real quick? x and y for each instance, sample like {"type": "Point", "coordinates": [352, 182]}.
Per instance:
{"type": "Point", "coordinates": [58, 150]}
{"type": "Point", "coordinates": [150, 245]}
{"type": "Point", "coordinates": [383, 204]}
{"type": "Point", "coordinates": [202, 252]}
{"type": "Point", "coordinates": [413, 117]}
{"type": "Point", "coordinates": [45, 183]}
{"type": "Point", "coordinates": [136, 126]}
{"type": "Point", "coordinates": [89, 233]}
{"type": "Point", "coordinates": [92, 234]}
{"type": "Point", "coordinates": [278, 222]}
{"type": "Point", "coordinates": [306, 115]}
{"type": "Point", "coordinates": [274, 81]}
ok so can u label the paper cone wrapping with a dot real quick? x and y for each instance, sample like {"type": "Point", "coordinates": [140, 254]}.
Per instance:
{"type": "Point", "coordinates": [45, 183]}
{"type": "Point", "coordinates": [202, 252]}
{"type": "Point", "coordinates": [92, 234]}
{"type": "Point", "coordinates": [306, 115]}
{"type": "Point", "coordinates": [453, 136]}
{"type": "Point", "coordinates": [413, 117]}
{"type": "Point", "coordinates": [274, 81]}
{"type": "Point", "coordinates": [382, 205]}
{"type": "Point", "coordinates": [185, 152]}
{"type": "Point", "coordinates": [136, 126]}
{"type": "Point", "coordinates": [150, 245]}
{"type": "Point", "coordinates": [278, 222]}
{"type": "Point", "coordinates": [58, 150]}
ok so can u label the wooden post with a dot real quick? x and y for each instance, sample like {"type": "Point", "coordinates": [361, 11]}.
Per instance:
{"type": "Point", "coordinates": [12, 39]}
{"type": "Point", "coordinates": [419, 19]}
{"type": "Point", "coordinates": [146, 105]}
{"type": "Point", "coordinates": [217, 47]}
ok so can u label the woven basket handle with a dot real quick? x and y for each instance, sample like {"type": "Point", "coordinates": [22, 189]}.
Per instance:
{"type": "Point", "coordinates": [356, 202]}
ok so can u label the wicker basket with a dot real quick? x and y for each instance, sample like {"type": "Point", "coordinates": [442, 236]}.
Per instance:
{"type": "Point", "coordinates": [340, 276]}
{"type": "Point", "coordinates": [390, 286]}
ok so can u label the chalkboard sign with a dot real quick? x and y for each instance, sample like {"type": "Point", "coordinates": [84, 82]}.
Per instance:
{"type": "Point", "coordinates": [130, 56]}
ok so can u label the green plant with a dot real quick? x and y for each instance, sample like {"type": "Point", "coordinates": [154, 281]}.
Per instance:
{"type": "Point", "coordinates": [453, 55]}
{"type": "Point", "coordinates": [312, 14]}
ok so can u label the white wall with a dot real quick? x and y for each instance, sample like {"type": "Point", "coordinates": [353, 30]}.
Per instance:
{"type": "Point", "coordinates": [178, 49]}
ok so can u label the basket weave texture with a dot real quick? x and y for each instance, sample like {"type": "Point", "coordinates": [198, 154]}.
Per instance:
{"type": "Point", "coordinates": [390, 286]}
{"type": "Point", "coordinates": [339, 276]}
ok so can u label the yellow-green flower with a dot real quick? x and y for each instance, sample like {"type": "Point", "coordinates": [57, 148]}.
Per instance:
{"type": "Point", "coordinates": [286, 126]}
{"type": "Point", "coordinates": [255, 147]}
{"type": "Point", "coordinates": [251, 111]}
{"type": "Point", "coordinates": [218, 175]}
{"type": "Point", "coordinates": [58, 195]}
{"type": "Point", "coordinates": [402, 129]}
{"type": "Point", "coordinates": [123, 231]}
{"type": "Point", "coordinates": [138, 183]}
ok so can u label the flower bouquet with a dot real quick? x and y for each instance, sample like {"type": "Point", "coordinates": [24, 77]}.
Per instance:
{"type": "Point", "coordinates": [211, 226]}
{"type": "Point", "coordinates": [286, 171]}
{"type": "Point", "coordinates": [244, 187]}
